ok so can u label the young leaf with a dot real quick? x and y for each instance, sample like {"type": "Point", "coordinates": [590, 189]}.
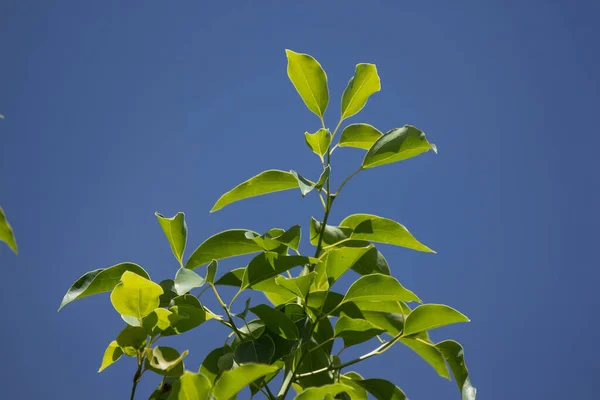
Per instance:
{"type": "Point", "coordinates": [223, 245]}
{"type": "Point", "coordinates": [211, 271]}
{"type": "Point", "coordinates": [157, 321]}
{"type": "Point", "coordinates": [6, 233]}
{"type": "Point", "coordinates": [210, 365]}
{"type": "Point", "coordinates": [429, 353]}
{"type": "Point", "coordinates": [266, 182]}
{"type": "Point", "coordinates": [382, 389]}
{"type": "Point", "coordinates": [397, 145]}
{"type": "Point", "coordinates": [454, 355]}
{"type": "Point", "coordinates": [299, 285]}
{"type": "Point", "coordinates": [319, 141]}
{"type": "Point", "coordinates": [111, 355]}
{"type": "Point", "coordinates": [259, 350]}
{"type": "Point", "coordinates": [361, 136]}
{"type": "Point", "coordinates": [231, 382]}
{"type": "Point", "coordinates": [186, 280]}
{"type": "Point", "coordinates": [100, 281]}
{"type": "Point", "coordinates": [320, 393]}
{"type": "Point", "coordinates": [430, 316]}
{"type": "Point", "coordinates": [191, 387]}
{"type": "Point", "coordinates": [276, 321]}
{"type": "Point", "coordinates": [187, 313]}
{"type": "Point", "coordinates": [382, 230]}
{"type": "Point", "coordinates": [361, 86]}
{"type": "Point", "coordinates": [305, 185]}
{"type": "Point", "coordinates": [377, 287]}
{"type": "Point", "coordinates": [135, 296]}
{"type": "Point", "coordinates": [175, 230]}
{"type": "Point", "coordinates": [355, 331]}
{"type": "Point", "coordinates": [131, 340]}
{"type": "Point", "coordinates": [323, 178]}
{"type": "Point", "coordinates": [310, 81]}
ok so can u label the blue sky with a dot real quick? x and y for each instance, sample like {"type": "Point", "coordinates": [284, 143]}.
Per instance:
{"type": "Point", "coordinates": [115, 110]}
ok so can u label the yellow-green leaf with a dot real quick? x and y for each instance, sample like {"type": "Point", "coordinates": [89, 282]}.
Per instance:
{"type": "Point", "coordinates": [111, 355]}
{"type": "Point", "coordinates": [6, 233]}
{"type": "Point", "coordinates": [191, 387]}
{"type": "Point", "coordinates": [455, 356]}
{"type": "Point", "coordinates": [382, 230]}
{"type": "Point", "coordinates": [266, 182]}
{"type": "Point", "coordinates": [361, 136]}
{"type": "Point", "coordinates": [397, 145]}
{"type": "Point", "coordinates": [157, 321]}
{"type": "Point", "coordinates": [320, 393]}
{"type": "Point", "coordinates": [299, 285]}
{"type": "Point", "coordinates": [231, 382]}
{"type": "Point", "coordinates": [175, 230]}
{"type": "Point", "coordinates": [429, 353]}
{"type": "Point", "coordinates": [230, 243]}
{"type": "Point", "coordinates": [355, 331]}
{"type": "Point", "coordinates": [377, 287]}
{"type": "Point", "coordinates": [319, 141]}
{"type": "Point", "coordinates": [135, 296]}
{"type": "Point", "coordinates": [430, 316]}
{"type": "Point", "coordinates": [310, 81]}
{"type": "Point", "coordinates": [361, 86]}
{"type": "Point", "coordinates": [166, 361]}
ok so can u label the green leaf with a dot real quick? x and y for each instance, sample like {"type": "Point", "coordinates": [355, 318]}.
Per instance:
{"type": "Point", "coordinates": [231, 382]}
{"type": "Point", "coordinates": [210, 365]}
{"type": "Point", "coordinates": [157, 321]}
{"type": "Point", "coordinates": [268, 265]}
{"type": "Point", "coordinates": [315, 358]}
{"type": "Point", "coordinates": [378, 287]}
{"type": "Point", "coordinates": [397, 145]}
{"type": "Point", "coordinates": [372, 262]}
{"type": "Point", "coordinates": [454, 355]}
{"type": "Point", "coordinates": [186, 280]}
{"type": "Point", "coordinates": [430, 316]}
{"type": "Point", "coordinates": [310, 81]}
{"type": "Point", "coordinates": [166, 361]}
{"type": "Point", "coordinates": [319, 393]}
{"type": "Point", "coordinates": [429, 353]}
{"type": "Point", "coordinates": [382, 230]}
{"type": "Point", "coordinates": [361, 136]}
{"type": "Point", "coordinates": [392, 323]}
{"type": "Point", "coordinates": [191, 387]}
{"type": "Point", "coordinates": [341, 260]}
{"type": "Point", "coordinates": [6, 233]}
{"type": "Point", "coordinates": [355, 331]}
{"type": "Point", "coordinates": [382, 389]}
{"type": "Point", "coordinates": [111, 355]}
{"type": "Point", "coordinates": [131, 340]}
{"type": "Point", "coordinates": [266, 182]}
{"type": "Point", "coordinates": [223, 245]}
{"type": "Point", "coordinates": [361, 86]}
{"type": "Point", "coordinates": [211, 271]}
{"type": "Point", "coordinates": [299, 285]}
{"type": "Point", "coordinates": [100, 281]}
{"type": "Point", "coordinates": [324, 333]}
{"type": "Point", "coordinates": [232, 278]}
{"type": "Point", "coordinates": [323, 178]}
{"type": "Point", "coordinates": [319, 141]}
{"type": "Point", "coordinates": [168, 286]}
{"type": "Point", "coordinates": [332, 234]}
{"type": "Point", "coordinates": [305, 185]}
{"type": "Point", "coordinates": [135, 296]}
{"type": "Point", "coordinates": [259, 350]}
{"type": "Point", "coordinates": [133, 321]}
{"type": "Point", "coordinates": [188, 313]}
{"type": "Point", "coordinates": [175, 230]}
{"type": "Point", "coordinates": [253, 329]}
{"type": "Point", "coordinates": [358, 392]}
{"type": "Point", "coordinates": [276, 321]}
{"type": "Point", "coordinates": [291, 237]}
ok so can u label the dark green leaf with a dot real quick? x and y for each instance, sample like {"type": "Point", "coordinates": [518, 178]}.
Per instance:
{"type": "Point", "coordinates": [313, 360]}
{"type": "Point", "coordinates": [131, 339]}
{"type": "Point", "coordinates": [6, 233]}
{"type": "Point", "coordinates": [361, 86]}
{"type": "Point", "coordinates": [266, 182]}
{"type": "Point", "coordinates": [320, 393]}
{"type": "Point", "coordinates": [358, 392]}
{"type": "Point", "coordinates": [268, 265]}
{"type": "Point", "coordinates": [372, 262]}
{"type": "Point", "coordinates": [276, 321]}
{"type": "Point", "coordinates": [382, 230]}
{"type": "Point", "coordinates": [310, 81]}
{"type": "Point", "coordinates": [186, 280]}
{"type": "Point", "coordinates": [175, 230]}
{"type": "Point", "coordinates": [430, 316]}
{"type": "Point", "coordinates": [231, 382]}
{"type": "Point", "coordinates": [191, 387]}
{"type": "Point", "coordinates": [382, 389]}
{"type": "Point", "coordinates": [319, 141]}
{"type": "Point", "coordinates": [100, 281]}
{"type": "Point", "coordinates": [355, 331]}
{"type": "Point", "coordinates": [222, 245]}
{"type": "Point", "coordinates": [112, 353]}
{"type": "Point", "coordinates": [454, 355]}
{"type": "Point", "coordinates": [210, 365]}
{"type": "Point", "coordinates": [397, 145]}
{"type": "Point", "coordinates": [378, 287]}
{"type": "Point", "coordinates": [259, 350]}
{"type": "Point", "coordinates": [253, 330]}
{"type": "Point", "coordinates": [168, 286]}
{"type": "Point", "coordinates": [324, 333]}
{"type": "Point", "coordinates": [323, 178]}
{"type": "Point", "coordinates": [232, 278]}
{"type": "Point", "coordinates": [361, 136]}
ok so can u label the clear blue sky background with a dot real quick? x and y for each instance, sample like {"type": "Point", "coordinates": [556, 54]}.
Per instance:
{"type": "Point", "coordinates": [116, 109]}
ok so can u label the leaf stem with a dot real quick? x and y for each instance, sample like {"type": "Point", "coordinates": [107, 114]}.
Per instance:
{"type": "Point", "coordinates": [347, 180]}
{"type": "Point", "coordinates": [137, 376]}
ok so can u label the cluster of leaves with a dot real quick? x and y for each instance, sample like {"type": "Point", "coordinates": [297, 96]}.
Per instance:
{"type": "Point", "coordinates": [291, 340]}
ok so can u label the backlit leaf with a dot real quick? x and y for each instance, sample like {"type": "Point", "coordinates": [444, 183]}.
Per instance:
{"type": "Point", "coordinates": [191, 387]}
{"type": "Point", "coordinates": [187, 313]}
{"type": "Point", "coordinates": [135, 296]}
{"type": "Point", "coordinates": [361, 86]}
{"type": "Point", "coordinates": [361, 136]}
{"type": "Point", "coordinates": [397, 145]}
{"type": "Point", "coordinates": [6, 233]}
{"type": "Point", "coordinates": [305, 185]}
{"type": "Point", "coordinates": [320, 393]}
{"type": "Point", "coordinates": [431, 316]}
{"type": "Point", "coordinates": [299, 285]}
{"type": "Point", "coordinates": [175, 230]}
{"type": "Point", "coordinates": [268, 265]}
{"type": "Point", "coordinates": [223, 245]}
{"type": "Point", "coordinates": [355, 331]}
{"type": "Point", "coordinates": [378, 287]}
{"type": "Point", "coordinates": [310, 81]}
{"type": "Point", "coordinates": [332, 234]}
{"type": "Point", "coordinates": [157, 321]}
{"type": "Point", "coordinates": [231, 382]}
{"type": "Point", "coordinates": [131, 340]}
{"type": "Point", "coordinates": [319, 141]}
{"type": "Point", "coordinates": [166, 361]}
{"type": "Point", "coordinates": [454, 355]}
{"type": "Point", "coordinates": [100, 281]}
{"type": "Point", "coordinates": [186, 280]}
{"type": "Point", "coordinates": [266, 182]}
{"type": "Point", "coordinates": [429, 353]}
{"type": "Point", "coordinates": [382, 389]}
{"type": "Point", "coordinates": [211, 271]}
{"type": "Point", "coordinates": [210, 365]}
{"type": "Point", "coordinates": [112, 354]}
